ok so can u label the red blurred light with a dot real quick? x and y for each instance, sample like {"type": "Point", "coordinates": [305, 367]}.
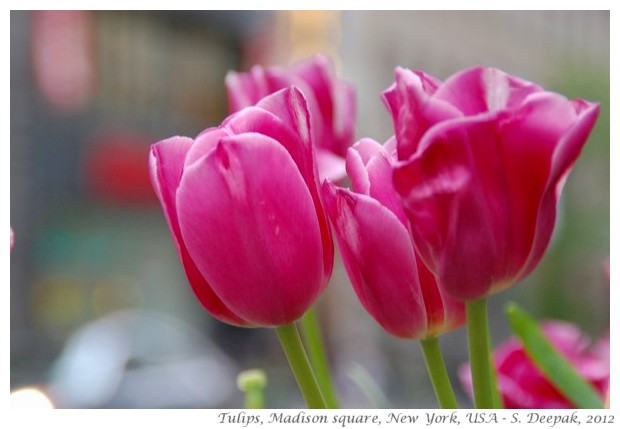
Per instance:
{"type": "Point", "coordinates": [116, 169]}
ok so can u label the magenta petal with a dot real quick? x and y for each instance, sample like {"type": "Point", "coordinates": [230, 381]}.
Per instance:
{"type": "Point", "coordinates": [245, 89]}
{"type": "Point", "coordinates": [316, 72]}
{"type": "Point", "coordinates": [466, 91]}
{"type": "Point", "coordinates": [370, 170]}
{"type": "Point", "coordinates": [368, 149]}
{"type": "Point", "coordinates": [291, 107]}
{"type": "Point", "coordinates": [382, 270]}
{"type": "Point", "coordinates": [564, 156]}
{"type": "Point", "coordinates": [356, 165]}
{"type": "Point", "coordinates": [429, 82]}
{"type": "Point", "coordinates": [247, 216]}
{"type": "Point", "coordinates": [428, 203]}
{"type": "Point", "coordinates": [453, 200]}
{"type": "Point", "coordinates": [261, 121]}
{"type": "Point", "coordinates": [280, 116]}
{"type": "Point", "coordinates": [206, 295]}
{"type": "Point", "coordinates": [380, 173]}
{"type": "Point", "coordinates": [331, 167]}
{"type": "Point", "coordinates": [332, 100]}
{"type": "Point", "coordinates": [204, 143]}
{"type": "Point", "coordinates": [443, 313]}
{"type": "Point", "coordinates": [314, 81]}
{"type": "Point", "coordinates": [414, 110]}
{"type": "Point", "coordinates": [571, 144]}
{"type": "Point", "coordinates": [476, 213]}
{"type": "Point", "coordinates": [479, 89]}
{"type": "Point", "coordinates": [166, 161]}
{"type": "Point", "coordinates": [547, 137]}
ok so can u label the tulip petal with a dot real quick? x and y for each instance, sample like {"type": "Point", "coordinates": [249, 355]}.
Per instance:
{"type": "Point", "coordinates": [502, 201]}
{"type": "Point", "coordinates": [382, 188]}
{"type": "Point", "coordinates": [316, 71]}
{"type": "Point", "coordinates": [289, 105]}
{"type": "Point", "coordinates": [414, 110]}
{"type": "Point", "coordinates": [265, 122]}
{"type": "Point", "coordinates": [370, 170]}
{"type": "Point", "coordinates": [166, 161]}
{"type": "Point", "coordinates": [247, 215]}
{"type": "Point", "coordinates": [566, 152]}
{"type": "Point", "coordinates": [331, 167]}
{"type": "Point", "coordinates": [429, 200]}
{"type": "Point", "coordinates": [335, 102]}
{"type": "Point", "coordinates": [547, 136]}
{"type": "Point", "coordinates": [368, 149]}
{"type": "Point", "coordinates": [453, 196]}
{"type": "Point", "coordinates": [357, 158]}
{"type": "Point", "coordinates": [480, 89]}
{"type": "Point", "coordinates": [314, 82]}
{"type": "Point", "coordinates": [383, 271]}
{"type": "Point", "coordinates": [204, 143]}
{"type": "Point", "coordinates": [245, 89]}
{"type": "Point", "coordinates": [443, 313]}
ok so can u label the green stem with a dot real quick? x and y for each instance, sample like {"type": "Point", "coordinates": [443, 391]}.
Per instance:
{"type": "Point", "coordinates": [498, 401]}
{"type": "Point", "coordinates": [478, 339]}
{"type": "Point", "coordinates": [296, 355]}
{"type": "Point", "coordinates": [311, 331]}
{"type": "Point", "coordinates": [438, 373]}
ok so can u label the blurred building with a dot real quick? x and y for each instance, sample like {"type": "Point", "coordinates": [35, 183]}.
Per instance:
{"type": "Point", "coordinates": [90, 92]}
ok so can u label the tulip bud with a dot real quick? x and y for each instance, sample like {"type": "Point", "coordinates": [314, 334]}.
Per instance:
{"type": "Point", "coordinates": [484, 158]}
{"type": "Point", "coordinates": [331, 103]}
{"type": "Point", "coordinates": [371, 228]}
{"type": "Point", "coordinates": [242, 203]}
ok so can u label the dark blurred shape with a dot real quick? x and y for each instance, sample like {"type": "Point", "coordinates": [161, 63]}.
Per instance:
{"type": "Point", "coordinates": [141, 359]}
{"type": "Point", "coordinates": [63, 56]}
{"type": "Point", "coordinates": [116, 169]}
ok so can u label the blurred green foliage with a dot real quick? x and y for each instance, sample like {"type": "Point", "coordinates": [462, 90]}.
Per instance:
{"type": "Point", "coordinates": [571, 282]}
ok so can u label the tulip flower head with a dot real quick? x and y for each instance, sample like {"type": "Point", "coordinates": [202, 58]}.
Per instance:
{"type": "Point", "coordinates": [371, 228]}
{"type": "Point", "coordinates": [243, 207]}
{"type": "Point", "coordinates": [484, 156]}
{"type": "Point", "coordinates": [331, 103]}
{"type": "Point", "coordinates": [522, 385]}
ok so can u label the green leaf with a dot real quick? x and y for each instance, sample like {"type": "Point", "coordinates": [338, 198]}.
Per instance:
{"type": "Point", "coordinates": [548, 360]}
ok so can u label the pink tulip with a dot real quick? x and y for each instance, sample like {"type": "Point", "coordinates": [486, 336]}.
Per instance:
{"type": "Point", "coordinates": [485, 156]}
{"type": "Point", "coordinates": [522, 385]}
{"type": "Point", "coordinates": [243, 206]}
{"type": "Point", "coordinates": [331, 103]}
{"type": "Point", "coordinates": [391, 282]}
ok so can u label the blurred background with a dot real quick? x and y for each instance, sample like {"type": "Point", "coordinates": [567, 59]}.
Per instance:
{"type": "Point", "coordinates": [101, 312]}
